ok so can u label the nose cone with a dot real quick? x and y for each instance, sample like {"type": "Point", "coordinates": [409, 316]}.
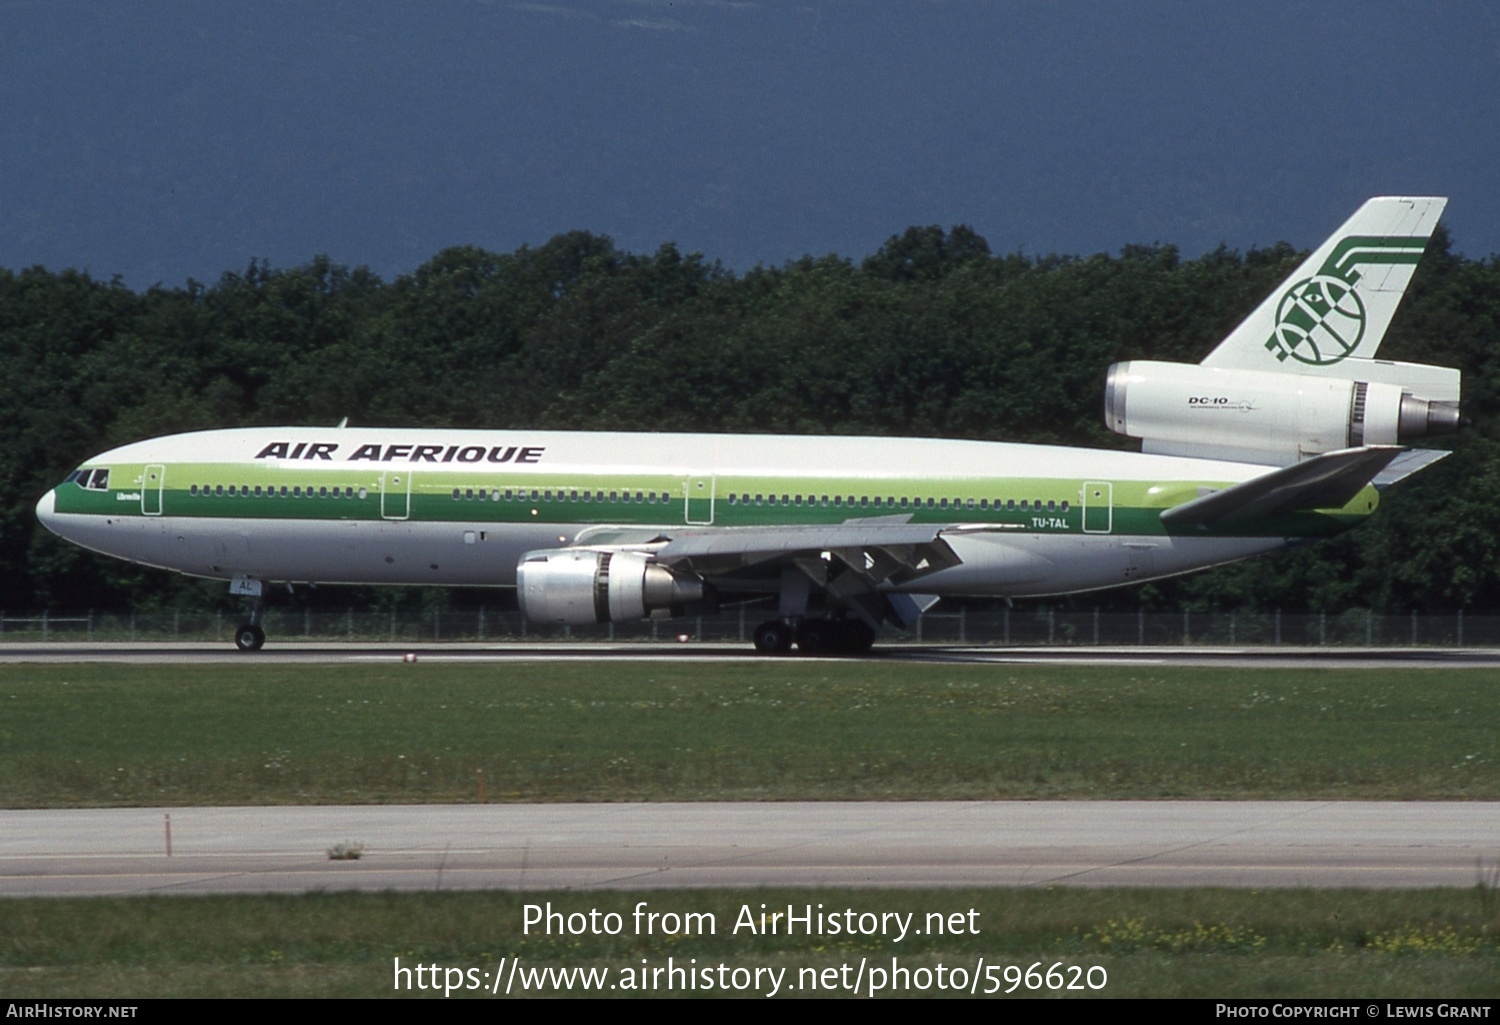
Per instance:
{"type": "Point", "coordinates": [46, 511]}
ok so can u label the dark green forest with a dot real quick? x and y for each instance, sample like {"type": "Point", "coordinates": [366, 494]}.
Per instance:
{"type": "Point", "coordinates": [932, 335]}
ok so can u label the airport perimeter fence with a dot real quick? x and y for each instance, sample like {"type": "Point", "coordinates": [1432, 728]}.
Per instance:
{"type": "Point", "coordinates": [1014, 627]}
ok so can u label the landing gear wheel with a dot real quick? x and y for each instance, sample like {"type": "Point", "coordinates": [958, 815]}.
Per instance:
{"type": "Point", "coordinates": [817, 637]}
{"type": "Point", "coordinates": [859, 637]}
{"type": "Point", "coordinates": [773, 638]}
{"type": "Point", "coordinates": [834, 637]}
{"type": "Point", "coordinates": [249, 637]}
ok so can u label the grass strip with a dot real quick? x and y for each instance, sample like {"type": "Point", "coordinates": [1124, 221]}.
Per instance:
{"type": "Point", "coordinates": [89, 735]}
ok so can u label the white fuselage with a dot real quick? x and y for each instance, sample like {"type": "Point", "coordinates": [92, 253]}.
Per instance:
{"type": "Point", "coordinates": [378, 506]}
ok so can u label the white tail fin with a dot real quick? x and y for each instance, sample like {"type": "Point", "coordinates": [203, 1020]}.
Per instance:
{"type": "Point", "coordinates": [1339, 302]}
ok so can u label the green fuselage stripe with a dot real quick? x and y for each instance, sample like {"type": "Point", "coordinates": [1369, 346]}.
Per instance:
{"type": "Point", "coordinates": [1052, 506]}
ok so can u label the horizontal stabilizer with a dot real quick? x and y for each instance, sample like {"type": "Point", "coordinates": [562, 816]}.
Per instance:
{"type": "Point", "coordinates": [1328, 481]}
{"type": "Point", "coordinates": [1408, 463]}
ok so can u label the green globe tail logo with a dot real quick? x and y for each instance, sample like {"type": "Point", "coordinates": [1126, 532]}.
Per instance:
{"type": "Point", "coordinates": [1319, 321]}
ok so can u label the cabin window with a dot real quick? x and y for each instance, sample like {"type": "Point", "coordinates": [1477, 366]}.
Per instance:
{"type": "Point", "coordinates": [1051, 505]}
{"type": "Point", "coordinates": [323, 492]}
{"type": "Point", "coordinates": [573, 496]}
{"type": "Point", "coordinates": [219, 490]}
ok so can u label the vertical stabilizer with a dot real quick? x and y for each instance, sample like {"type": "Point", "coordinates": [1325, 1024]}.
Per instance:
{"type": "Point", "coordinates": [1339, 302]}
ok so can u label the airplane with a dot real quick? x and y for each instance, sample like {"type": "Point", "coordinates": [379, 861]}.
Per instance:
{"type": "Point", "coordinates": [1287, 431]}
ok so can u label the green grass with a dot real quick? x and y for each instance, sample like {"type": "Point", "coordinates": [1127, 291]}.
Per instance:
{"type": "Point", "coordinates": [1219, 943]}
{"type": "Point", "coordinates": [282, 734]}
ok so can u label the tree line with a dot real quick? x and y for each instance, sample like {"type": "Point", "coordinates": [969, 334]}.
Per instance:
{"type": "Point", "coordinates": [932, 335]}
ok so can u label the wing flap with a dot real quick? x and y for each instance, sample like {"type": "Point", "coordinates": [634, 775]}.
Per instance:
{"type": "Point", "coordinates": [876, 552]}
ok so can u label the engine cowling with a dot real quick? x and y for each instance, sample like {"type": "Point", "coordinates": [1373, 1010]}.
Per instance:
{"type": "Point", "coordinates": [1184, 409]}
{"type": "Point", "coordinates": [580, 587]}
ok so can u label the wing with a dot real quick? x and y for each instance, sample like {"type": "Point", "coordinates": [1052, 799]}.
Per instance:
{"type": "Point", "coordinates": [850, 562]}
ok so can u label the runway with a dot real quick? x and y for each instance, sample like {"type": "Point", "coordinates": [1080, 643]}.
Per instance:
{"type": "Point", "coordinates": [197, 653]}
{"type": "Point", "coordinates": [1259, 844]}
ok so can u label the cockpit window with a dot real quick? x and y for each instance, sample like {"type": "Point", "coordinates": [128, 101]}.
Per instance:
{"type": "Point", "coordinates": [94, 480]}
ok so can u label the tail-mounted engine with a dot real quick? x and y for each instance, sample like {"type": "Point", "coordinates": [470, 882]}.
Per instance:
{"type": "Point", "coordinates": [1278, 418]}
{"type": "Point", "coordinates": [579, 586]}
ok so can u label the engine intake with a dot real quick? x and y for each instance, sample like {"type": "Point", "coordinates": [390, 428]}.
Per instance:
{"type": "Point", "coordinates": [580, 587]}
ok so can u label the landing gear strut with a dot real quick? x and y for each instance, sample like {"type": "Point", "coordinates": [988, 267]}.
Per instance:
{"type": "Point", "coordinates": [250, 636]}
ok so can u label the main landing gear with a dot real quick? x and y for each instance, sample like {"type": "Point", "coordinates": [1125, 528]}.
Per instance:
{"type": "Point", "coordinates": [815, 637]}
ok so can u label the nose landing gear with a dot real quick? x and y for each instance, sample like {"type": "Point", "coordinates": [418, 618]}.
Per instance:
{"type": "Point", "coordinates": [250, 636]}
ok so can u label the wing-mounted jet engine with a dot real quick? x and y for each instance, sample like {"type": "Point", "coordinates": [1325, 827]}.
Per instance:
{"type": "Point", "coordinates": [581, 587]}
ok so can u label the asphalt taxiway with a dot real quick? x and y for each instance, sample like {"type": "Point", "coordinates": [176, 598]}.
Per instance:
{"type": "Point", "coordinates": [1319, 657]}
{"type": "Point", "coordinates": [1256, 844]}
